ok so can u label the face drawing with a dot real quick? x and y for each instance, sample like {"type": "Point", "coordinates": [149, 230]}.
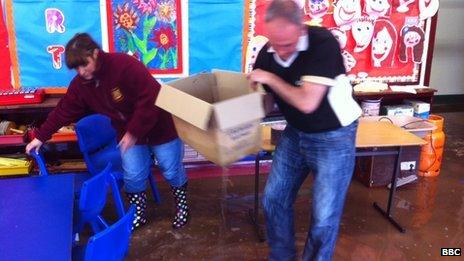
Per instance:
{"type": "Point", "coordinates": [340, 36]}
{"type": "Point", "coordinates": [316, 9]}
{"type": "Point", "coordinates": [345, 12]}
{"type": "Point", "coordinates": [411, 39]}
{"type": "Point", "coordinates": [362, 31]}
{"type": "Point", "coordinates": [376, 8]}
{"type": "Point", "coordinates": [381, 46]}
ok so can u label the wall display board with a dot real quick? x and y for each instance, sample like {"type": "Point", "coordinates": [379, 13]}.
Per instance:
{"type": "Point", "coordinates": [38, 32]}
{"type": "Point", "coordinates": [155, 32]}
{"type": "Point", "coordinates": [385, 40]}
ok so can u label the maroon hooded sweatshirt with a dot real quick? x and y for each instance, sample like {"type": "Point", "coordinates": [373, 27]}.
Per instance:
{"type": "Point", "coordinates": [123, 90]}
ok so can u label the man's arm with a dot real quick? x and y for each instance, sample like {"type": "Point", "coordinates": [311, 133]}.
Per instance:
{"type": "Point", "coordinates": [306, 98]}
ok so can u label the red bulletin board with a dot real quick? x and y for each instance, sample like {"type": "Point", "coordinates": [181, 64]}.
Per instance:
{"type": "Point", "coordinates": [389, 40]}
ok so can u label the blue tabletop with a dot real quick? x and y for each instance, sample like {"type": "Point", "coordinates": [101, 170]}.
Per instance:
{"type": "Point", "coordinates": [36, 215]}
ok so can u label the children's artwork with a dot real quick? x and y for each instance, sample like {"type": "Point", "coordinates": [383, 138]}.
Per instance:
{"type": "Point", "coordinates": [377, 8]}
{"type": "Point", "coordinates": [384, 43]}
{"type": "Point", "coordinates": [403, 5]}
{"type": "Point", "coordinates": [152, 31]}
{"type": "Point", "coordinates": [346, 12]}
{"type": "Point", "coordinates": [316, 9]}
{"type": "Point", "coordinates": [380, 40]}
{"type": "Point", "coordinates": [412, 39]}
{"type": "Point", "coordinates": [38, 32]}
{"type": "Point", "coordinates": [427, 8]}
{"type": "Point", "coordinates": [340, 35]}
{"type": "Point", "coordinates": [362, 30]}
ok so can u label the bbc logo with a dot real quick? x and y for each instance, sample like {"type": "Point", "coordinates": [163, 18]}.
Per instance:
{"type": "Point", "coordinates": [456, 251]}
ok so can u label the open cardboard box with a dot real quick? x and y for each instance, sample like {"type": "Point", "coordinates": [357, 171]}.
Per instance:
{"type": "Point", "coordinates": [216, 113]}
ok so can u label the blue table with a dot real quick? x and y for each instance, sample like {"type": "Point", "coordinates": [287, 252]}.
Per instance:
{"type": "Point", "coordinates": [36, 215]}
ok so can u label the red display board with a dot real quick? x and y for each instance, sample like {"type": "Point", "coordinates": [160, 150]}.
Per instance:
{"type": "Point", "coordinates": [384, 41]}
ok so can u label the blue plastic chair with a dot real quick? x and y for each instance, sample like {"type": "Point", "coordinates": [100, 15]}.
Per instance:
{"type": "Point", "coordinates": [97, 142]}
{"type": "Point", "coordinates": [109, 244]}
{"type": "Point", "coordinates": [92, 200]}
{"type": "Point", "coordinates": [37, 156]}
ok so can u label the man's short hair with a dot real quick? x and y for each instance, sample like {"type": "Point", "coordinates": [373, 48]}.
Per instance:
{"type": "Point", "coordinates": [286, 9]}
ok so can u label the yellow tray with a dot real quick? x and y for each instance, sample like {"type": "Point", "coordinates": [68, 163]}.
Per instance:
{"type": "Point", "coordinates": [10, 166]}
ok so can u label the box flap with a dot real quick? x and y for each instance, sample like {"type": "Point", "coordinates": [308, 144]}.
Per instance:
{"type": "Point", "coordinates": [185, 106]}
{"type": "Point", "coordinates": [201, 86]}
{"type": "Point", "coordinates": [230, 84]}
{"type": "Point", "coordinates": [235, 111]}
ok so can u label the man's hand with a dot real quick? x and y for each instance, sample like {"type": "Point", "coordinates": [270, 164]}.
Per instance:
{"type": "Point", "coordinates": [260, 76]}
{"type": "Point", "coordinates": [126, 142]}
{"type": "Point", "coordinates": [35, 144]}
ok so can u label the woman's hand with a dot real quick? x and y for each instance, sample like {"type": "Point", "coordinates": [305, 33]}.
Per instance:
{"type": "Point", "coordinates": [126, 142]}
{"type": "Point", "coordinates": [35, 144]}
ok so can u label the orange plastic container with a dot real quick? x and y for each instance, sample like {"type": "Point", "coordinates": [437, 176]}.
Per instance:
{"type": "Point", "coordinates": [432, 152]}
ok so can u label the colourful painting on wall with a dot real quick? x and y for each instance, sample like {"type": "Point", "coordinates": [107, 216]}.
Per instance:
{"type": "Point", "coordinates": [153, 31]}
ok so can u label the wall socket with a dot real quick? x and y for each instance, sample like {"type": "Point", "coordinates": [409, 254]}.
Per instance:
{"type": "Point", "coordinates": [408, 165]}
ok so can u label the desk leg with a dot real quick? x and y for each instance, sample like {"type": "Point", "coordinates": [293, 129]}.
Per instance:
{"type": "Point", "coordinates": [254, 212]}
{"type": "Point", "coordinates": [391, 196]}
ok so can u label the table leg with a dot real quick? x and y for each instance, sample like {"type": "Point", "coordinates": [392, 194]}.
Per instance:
{"type": "Point", "coordinates": [254, 212]}
{"type": "Point", "coordinates": [391, 196]}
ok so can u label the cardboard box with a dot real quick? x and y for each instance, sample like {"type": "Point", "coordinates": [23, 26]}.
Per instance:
{"type": "Point", "coordinates": [421, 109]}
{"type": "Point", "coordinates": [215, 113]}
{"type": "Point", "coordinates": [391, 110]}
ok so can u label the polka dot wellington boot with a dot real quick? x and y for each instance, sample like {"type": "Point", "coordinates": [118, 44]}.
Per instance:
{"type": "Point", "coordinates": [140, 202]}
{"type": "Point", "coordinates": [182, 210]}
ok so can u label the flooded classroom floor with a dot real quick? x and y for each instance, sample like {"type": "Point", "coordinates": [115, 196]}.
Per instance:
{"type": "Point", "coordinates": [431, 210]}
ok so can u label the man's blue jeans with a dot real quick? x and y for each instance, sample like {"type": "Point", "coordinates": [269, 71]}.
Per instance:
{"type": "Point", "coordinates": [330, 157]}
{"type": "Point", "coordinates": [137, 162]}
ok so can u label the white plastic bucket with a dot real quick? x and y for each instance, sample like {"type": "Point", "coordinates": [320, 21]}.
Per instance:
{"type": "Point", "coordinates": [370, 107]}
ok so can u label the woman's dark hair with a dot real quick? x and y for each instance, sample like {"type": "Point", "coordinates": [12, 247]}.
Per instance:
{"type": "Point", "coordinates": [78, 49]}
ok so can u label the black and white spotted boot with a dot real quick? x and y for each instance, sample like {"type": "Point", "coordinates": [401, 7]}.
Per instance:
{"type": "Point", "coordinates": [140, 202]}
{"type": "Point", "coordinates": [182, 210]}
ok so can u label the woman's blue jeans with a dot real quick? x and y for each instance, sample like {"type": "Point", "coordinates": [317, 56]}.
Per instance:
{"type": "Point", "coordinates": [137, 162]}
{"type": "Point", "coordinates": [330, 156]}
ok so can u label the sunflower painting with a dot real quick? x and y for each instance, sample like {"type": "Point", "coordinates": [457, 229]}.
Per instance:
{"type": "Point", "coordinates": [149, 30]}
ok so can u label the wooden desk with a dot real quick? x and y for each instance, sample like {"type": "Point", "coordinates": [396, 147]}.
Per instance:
{"type": "Point", "coordinates": [36, 215]}
{"type": "Point", "coordinates": [369, 137]}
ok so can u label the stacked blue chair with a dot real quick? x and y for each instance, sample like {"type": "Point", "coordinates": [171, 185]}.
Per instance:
{"type": "Point", "coordinates": [92, 200]}
{"type": "Point", "coordinates": [98, 144]}
{"type": "Point", "coordinates": [110, 244]}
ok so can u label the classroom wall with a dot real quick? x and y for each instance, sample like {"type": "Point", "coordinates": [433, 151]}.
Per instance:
{"type": "Point", "coordinates": [447, 74]}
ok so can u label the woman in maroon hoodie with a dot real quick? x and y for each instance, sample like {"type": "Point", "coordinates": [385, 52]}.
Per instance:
{"type": "Point", "coordinates": [120, 87]}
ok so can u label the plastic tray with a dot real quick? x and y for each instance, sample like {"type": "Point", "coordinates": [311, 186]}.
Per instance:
{"type": "Point", "coordinates": [12, 139]}
{"type": "Point", "coordinates": [10, 166]}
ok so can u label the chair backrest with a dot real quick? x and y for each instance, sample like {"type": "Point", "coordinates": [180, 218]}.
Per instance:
{"type": "Point", "coordinates": [40, 162]}
{"type": "Point", "coordinates": [92, 198]}
{"type": "Point", "coordinates": [113, 242]}
{"type": "Point", "coordinates": [97, 142]}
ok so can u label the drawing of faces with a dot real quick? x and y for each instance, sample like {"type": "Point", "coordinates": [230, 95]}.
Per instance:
{"type": "Point", "coordinates": [340, 36]}
{"type": "Point", "coordinates": [381, 46]}
{"type": "Point", "coordinates": [376, 8]}
{"type": "Point", "coordinates": [316, 9]}
{"type": "Point", "coordinates": [362, 31]}
{"type": "Point", "coordinates": [411, 38]}
{"type": "Point", "coordinates": [345, 12]}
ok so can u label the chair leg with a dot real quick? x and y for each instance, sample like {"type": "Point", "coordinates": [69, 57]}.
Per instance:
{"type": "Point", "coordinates": [117, 196]}
{"type": "Point", "coordinates": [154, 189]}
{"type": "Point", "coordinates": [98, 224]}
